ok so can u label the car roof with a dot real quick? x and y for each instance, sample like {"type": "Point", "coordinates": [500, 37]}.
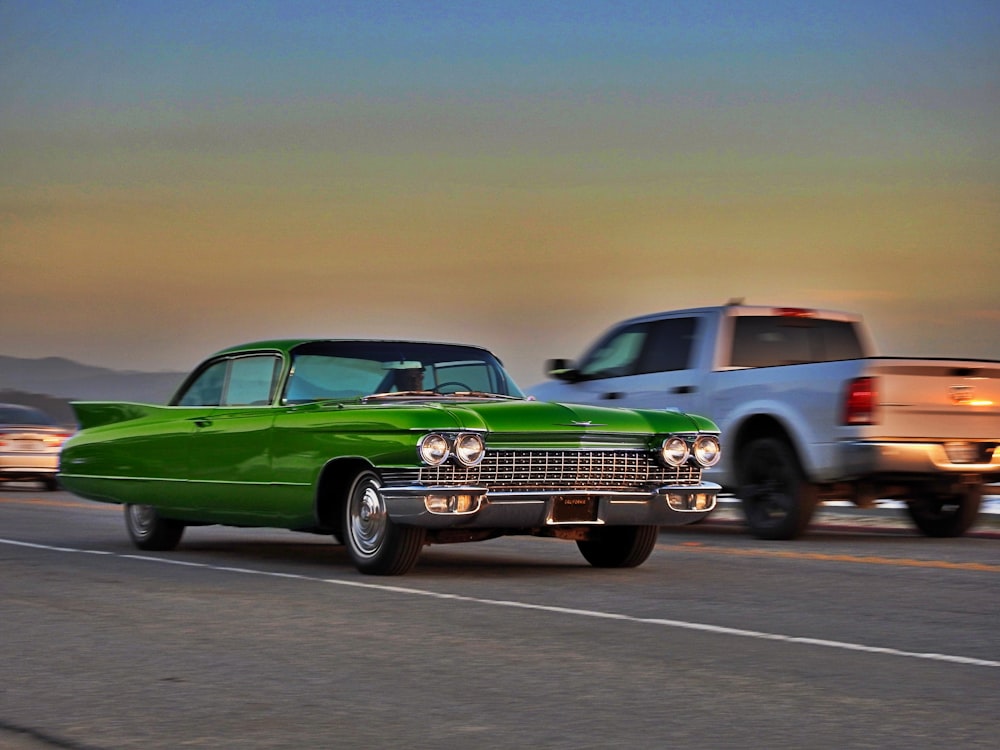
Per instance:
{"type": "Point", "coordinates": [287, 345]}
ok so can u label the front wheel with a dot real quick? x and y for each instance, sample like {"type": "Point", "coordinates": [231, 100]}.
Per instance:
{"type": "Point", "coordinates": [777, 500]}
{"type": "Point", "coordinates": [375, 544]}
{"type": "Point", "coordinates": [946, 515]}
{"type": "Point", "coordinates": [619, 546]}
{"type": "Point", "coordinates": [151, 531]}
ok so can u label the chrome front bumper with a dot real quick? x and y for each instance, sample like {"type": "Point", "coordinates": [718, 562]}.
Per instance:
{"type": "Point", "coordinates": [526, 509]}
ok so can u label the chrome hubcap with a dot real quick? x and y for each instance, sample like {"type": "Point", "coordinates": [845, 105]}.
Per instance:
{"type": "Point", "coordinates": [368, 520]}
{"type": "Point", "coordinates": [142, 517]}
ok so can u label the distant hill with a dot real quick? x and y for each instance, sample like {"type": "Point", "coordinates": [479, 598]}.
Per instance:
{"type": "Point", "coordinates": [69, 380]}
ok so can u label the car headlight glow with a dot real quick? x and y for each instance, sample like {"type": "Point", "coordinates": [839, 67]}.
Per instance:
{"type": "Point", "coordinates": [674, 451]}
{"type": "Point", "coordinates": [434, 449]}
{"type": "Point", "coordinates": [707, 450]}
{"type": "Point", "coordinates": [469, 449]}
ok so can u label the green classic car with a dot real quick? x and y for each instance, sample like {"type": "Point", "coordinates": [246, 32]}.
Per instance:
{"type": "Point", "coordinates": [389, 446]}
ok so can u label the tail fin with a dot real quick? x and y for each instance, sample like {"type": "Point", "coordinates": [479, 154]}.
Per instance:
{"type": "Point", "coordinates": [98, 413]}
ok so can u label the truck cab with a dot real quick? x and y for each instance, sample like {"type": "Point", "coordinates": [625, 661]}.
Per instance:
{"type": "Point", "coordinates": [806, 409]}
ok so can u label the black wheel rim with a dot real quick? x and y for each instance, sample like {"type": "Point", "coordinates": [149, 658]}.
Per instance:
{"type": "Point", "coordinates": [771, 484]}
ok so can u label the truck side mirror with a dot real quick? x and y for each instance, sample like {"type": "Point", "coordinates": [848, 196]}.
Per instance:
{"type": "Point", "coordinates": [561, 369]}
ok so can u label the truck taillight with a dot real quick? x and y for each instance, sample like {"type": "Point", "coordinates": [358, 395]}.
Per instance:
{"type": "Point", "coordinates": [794, 312]}
{"type": "Point", "coordinates": [859, 401]}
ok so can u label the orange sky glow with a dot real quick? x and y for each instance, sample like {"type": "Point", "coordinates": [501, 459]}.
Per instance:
{"type": "Point", "coordinates": [515, 184]}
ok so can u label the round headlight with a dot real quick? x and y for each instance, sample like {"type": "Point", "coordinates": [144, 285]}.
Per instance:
{"type": "Point", "coordinates": [433, 449]}
{"type": "Point", "coordinates": [707, 450]}
{"type": "Point", "coordinates": [469, 449]}
{"type": "Point", "coordinates": [674, 451]}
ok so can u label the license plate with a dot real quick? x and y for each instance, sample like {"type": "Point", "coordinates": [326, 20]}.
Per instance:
{"type": "Point", "coordinates": [575, 509]}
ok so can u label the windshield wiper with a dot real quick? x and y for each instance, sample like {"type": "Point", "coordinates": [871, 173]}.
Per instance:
{"type": "Point", "coordinates": [483, 394]}
{"type": "Point", "coordinates": [411, 394]}
{"type": "Point", "coordinates": [398, 394]}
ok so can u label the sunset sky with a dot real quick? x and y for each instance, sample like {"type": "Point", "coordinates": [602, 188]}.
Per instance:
{"type": "Point", "coordinates": [177, 177]}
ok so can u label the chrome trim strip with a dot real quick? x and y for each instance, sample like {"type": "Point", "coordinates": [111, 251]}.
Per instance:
{"type": "Point", "coordinates": [184, 481]}
{"type": "Point", "coordinates": [451, 428]}
{"type": "Point", "coordinates": [497, 496]}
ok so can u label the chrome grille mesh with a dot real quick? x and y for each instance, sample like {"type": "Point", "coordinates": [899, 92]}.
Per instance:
{"type": "Point", "coordinates": [553, 469]}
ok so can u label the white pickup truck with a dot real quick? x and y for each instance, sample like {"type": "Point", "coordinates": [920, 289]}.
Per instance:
{"type": "Point", "coordinates": [807, 411]}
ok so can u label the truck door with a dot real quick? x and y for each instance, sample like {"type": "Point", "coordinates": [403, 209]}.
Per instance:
{"type": "Point", "coordinates": [645, 364]}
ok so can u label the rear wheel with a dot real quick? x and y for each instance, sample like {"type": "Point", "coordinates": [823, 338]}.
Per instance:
{"type": "Point", "coordinates": [946, 515]}
{"type": "Point", "coordinates": [777, 500]}
{"type": "Point", "coordinates": [374, 543]}
{"type": "Point", "coordinates": [149, 530]}
{"type": "Point", "coordinates": [619, 546]}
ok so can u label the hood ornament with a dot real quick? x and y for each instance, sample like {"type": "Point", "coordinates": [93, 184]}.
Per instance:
{"type": "Point", "coordinates": [583, 424]}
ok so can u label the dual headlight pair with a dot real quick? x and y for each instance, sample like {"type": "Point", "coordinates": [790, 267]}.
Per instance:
{"type": "Point", "coordinates": [706, 450]}
{"type": "Point", "coordinates": [467, 447]}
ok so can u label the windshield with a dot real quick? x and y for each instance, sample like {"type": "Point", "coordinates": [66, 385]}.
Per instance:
{"type": "Point", "coordinates": [359, 369]}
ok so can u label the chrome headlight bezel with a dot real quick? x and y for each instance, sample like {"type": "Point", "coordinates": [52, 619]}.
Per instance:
{"type": "Point", "coordinates": [469, 448]}
{"type": "Point", "coordinates": [434, 449]}
{"type": "Point", "coordinates": [674, 451]}
{"type": "Point", "coordinates": [707, 450]}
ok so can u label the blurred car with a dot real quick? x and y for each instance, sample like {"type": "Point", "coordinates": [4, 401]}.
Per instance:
{"type": "Point", "coordinates": [30, 441]}
{"type": "Point", "coordinates": [389, 446]}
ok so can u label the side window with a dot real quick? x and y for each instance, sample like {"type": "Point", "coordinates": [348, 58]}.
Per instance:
{"type": "Point", "coordinates": [251, 380]}
{"type": "Point", "coordinates": [841, 341]}
{"type": "Point", "coordinates": [616, 355]}
{"type": "Point", "coordinates": [769, 340]}
{"type": "Point", "coordinates": [234, 382]}
{"type": "Point", "coordinates": [766, 341]}
{"type": "Point", "coordinates": [206, 389]}
{"type": "Point", "coordinates": [669, 345]}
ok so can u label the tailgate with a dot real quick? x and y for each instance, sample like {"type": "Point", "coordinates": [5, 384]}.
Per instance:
{"type": "Point", "coordinates": [932, 398]}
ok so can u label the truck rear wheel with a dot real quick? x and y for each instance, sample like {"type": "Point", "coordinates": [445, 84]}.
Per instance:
{"type": "Point", "coordinates": [777, 500]}
{"type": "Point", "coordinates": [945, 515]}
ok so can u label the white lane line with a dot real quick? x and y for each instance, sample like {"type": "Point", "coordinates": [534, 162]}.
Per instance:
{"type": "Point", "coordinates": [680, 624]}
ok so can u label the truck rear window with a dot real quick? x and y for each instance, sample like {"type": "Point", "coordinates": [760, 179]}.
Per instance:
{"type": "Point", "coordinates": [769, 340]}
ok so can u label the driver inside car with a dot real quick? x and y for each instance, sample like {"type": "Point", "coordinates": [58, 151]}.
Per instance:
{"type": "Point", "coordinates": [409, 379]}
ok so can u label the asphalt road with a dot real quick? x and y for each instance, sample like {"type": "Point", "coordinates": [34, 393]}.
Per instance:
{"type": "Point", "coordinates": [852, 637]}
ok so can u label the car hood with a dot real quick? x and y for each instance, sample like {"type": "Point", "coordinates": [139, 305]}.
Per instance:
{"type": "Point", "coordinates": [530, 416]}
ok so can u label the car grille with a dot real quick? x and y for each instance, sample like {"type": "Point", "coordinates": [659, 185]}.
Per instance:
{"type": "Point", "coordinates": [555, 469]}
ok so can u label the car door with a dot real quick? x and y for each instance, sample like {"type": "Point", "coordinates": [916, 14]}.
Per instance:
{"type": "Point", "coordinates": [229, 459]}
{"type": "Point", "coordinates": [644, 364]}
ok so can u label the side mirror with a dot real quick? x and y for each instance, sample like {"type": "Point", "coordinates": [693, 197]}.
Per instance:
{"type": "Point", "coordinates": [561, 369]}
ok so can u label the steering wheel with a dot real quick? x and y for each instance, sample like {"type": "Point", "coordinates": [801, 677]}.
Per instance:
{"type": "Point", "coordinates": [461, 386]}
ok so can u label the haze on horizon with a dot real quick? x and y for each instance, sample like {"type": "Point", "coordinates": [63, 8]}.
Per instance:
{"type": "Point", "coordinates": [176, 177]}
